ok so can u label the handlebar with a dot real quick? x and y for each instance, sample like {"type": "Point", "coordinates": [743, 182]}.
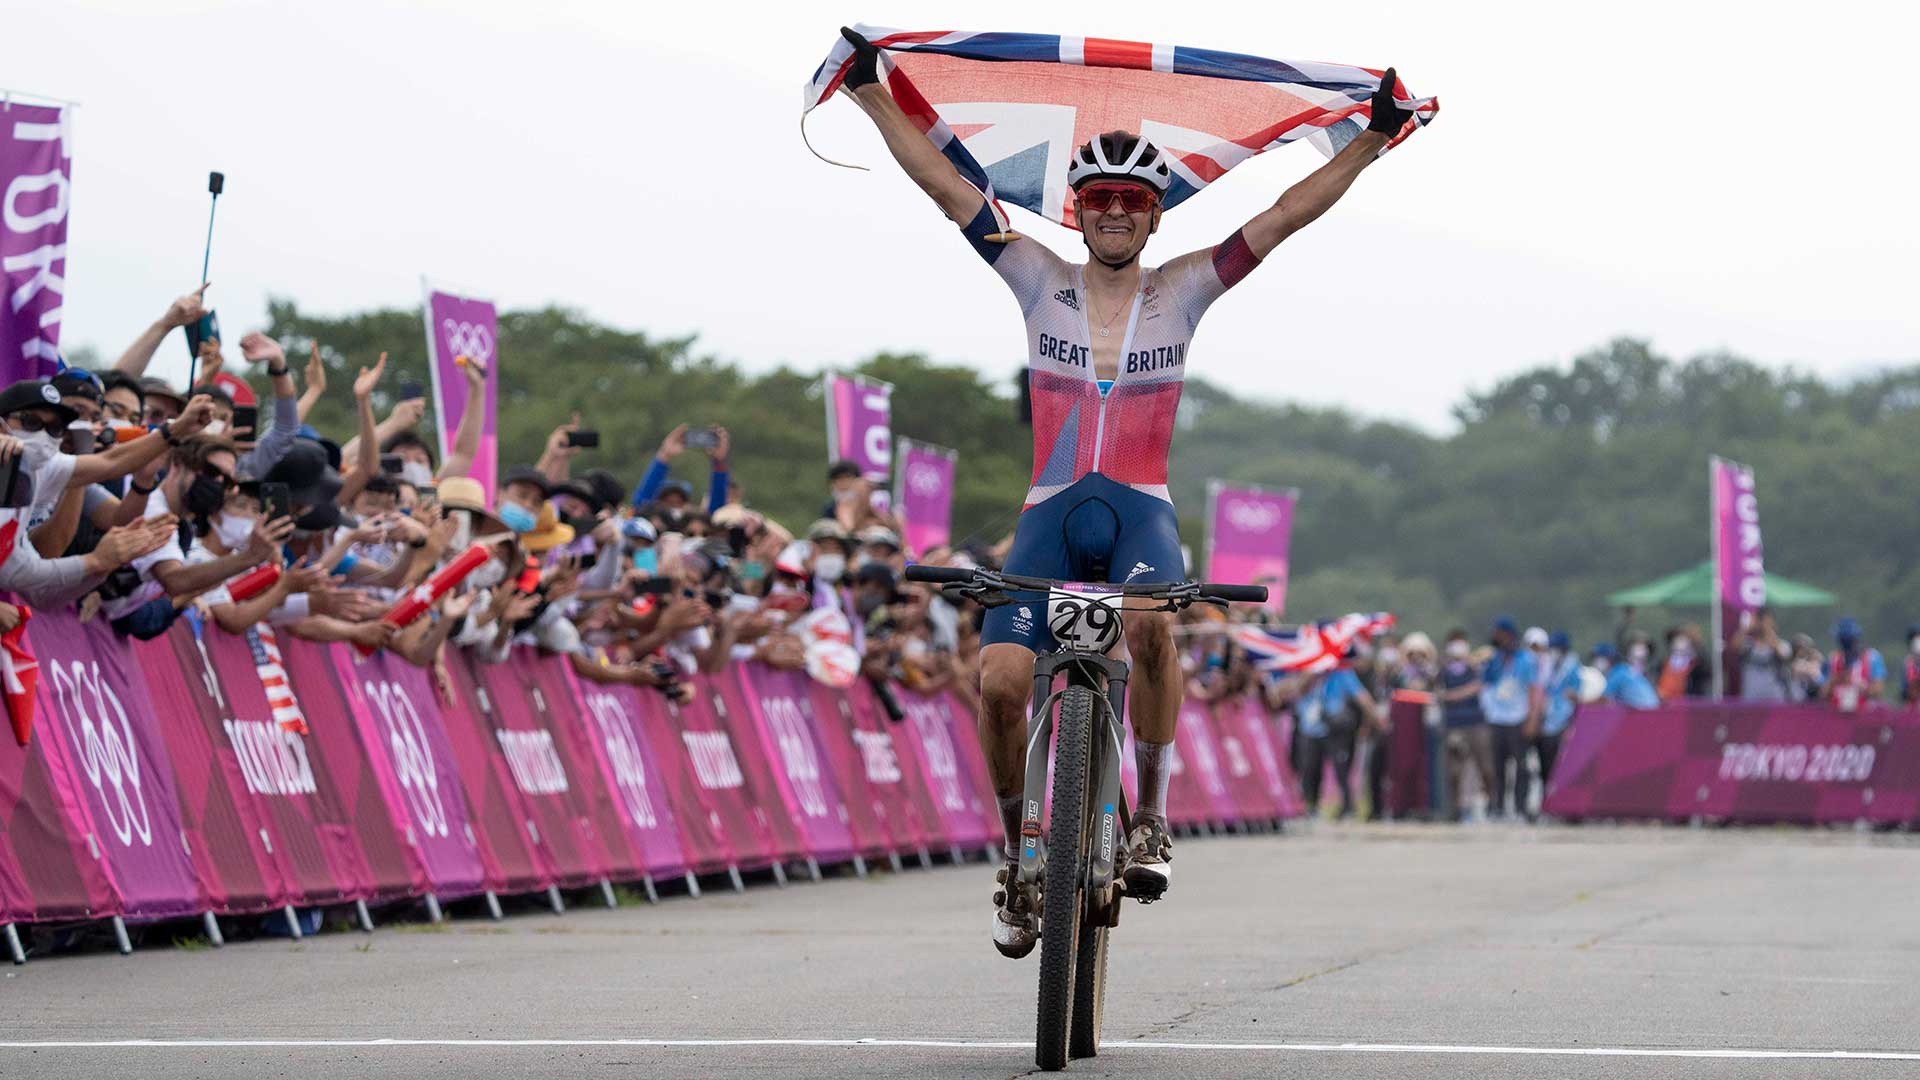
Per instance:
{"type": "Point", "coordinates": [989, 587]}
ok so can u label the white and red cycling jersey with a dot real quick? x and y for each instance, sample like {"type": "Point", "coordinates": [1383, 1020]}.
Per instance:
{"type": "Point", "coordinates": [1124, 433]}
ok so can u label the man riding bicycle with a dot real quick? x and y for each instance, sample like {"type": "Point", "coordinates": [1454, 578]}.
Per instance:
{"type": "Point", "coordinates": [1107, 350]}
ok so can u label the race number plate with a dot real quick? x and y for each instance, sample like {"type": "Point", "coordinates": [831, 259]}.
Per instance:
{"type": "Point", "coordinates": [1086, 618]}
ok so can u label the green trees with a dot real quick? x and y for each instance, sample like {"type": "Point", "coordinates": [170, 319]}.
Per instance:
{"type": "Point", "coordinates": [1561, 483]}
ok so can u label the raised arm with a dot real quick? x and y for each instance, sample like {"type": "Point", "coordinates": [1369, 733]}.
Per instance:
{"type": "Point", "coordinates": [187, 309]}
{"type": "Point", "coordinates": [1300, 204]}
{"type": "Point", "coordinates": [366, 444]}
{"type": "Point", "coordinates": [466, 438]}
{"type": "Point", "coordinates": [922, 163]}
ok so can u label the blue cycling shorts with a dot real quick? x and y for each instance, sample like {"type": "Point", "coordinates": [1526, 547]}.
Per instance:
{"type": "Point", "coordinates": [1095, 530]}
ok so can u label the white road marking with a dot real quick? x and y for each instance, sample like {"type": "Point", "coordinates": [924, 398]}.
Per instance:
{"type": "Point", "coordinates": [947, 1044]}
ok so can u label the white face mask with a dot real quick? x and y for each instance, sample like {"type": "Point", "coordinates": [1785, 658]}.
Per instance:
{"type": "Point", "coordinates": [1389, 655]}
{"type": "Point", "coordinates": [830, 567]}
{"type": "Point", "coordinates": [38, 449]}
{"type": "Point", "coordinates": [1457, 650]}
{"type": "Point", "coordinates": [215, 427]}
{"type": "Point", "coordinates": [417, 473]}
{"type": "Point", "coordinates": [1637, 653]}
{"type": "Point", "coordinates": [493, 573]}
{"type": "Point", "coordinates": [233, 530]}
{"type": "Point", "coordinates": [1915, 646]}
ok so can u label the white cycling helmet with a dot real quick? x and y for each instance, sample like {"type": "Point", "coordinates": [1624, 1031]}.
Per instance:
{"type": "Point", "coordinates": [1120, 155]}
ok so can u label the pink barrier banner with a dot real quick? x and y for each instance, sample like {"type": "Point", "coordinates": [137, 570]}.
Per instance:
{"type": "Point", "coordinates": [36, 175]}
{"type": "Point", "coordinates": [1260, 738]}
{"type": "Point", "coordinates": [923, 493]}
{"type": "Point", "coordinates": [1408, 786]}
{"type": "Point", "coordinates": [226, 838]}
{"type": "Point", "coordinates": [1252, 800]}
{"type": "Point", "coordinates": [783, 711]}
{"type": "Point", "coordinates": [405, 738]}
{"type": "Point", "coordinates": [631, 780]}
{"type": "Point", "coordinates": [591, 785]}
{"type": "Point", "coordinates": [291, 786]}
{"type": "Point", "coordinates": [1194, 736]}
{"type": "Point", "coordinates": [519, 739]}
{"type": "Point", "coordinates": [460, 326]}
{"type": "Point", "coordinates": [859, 424]}
{"type": "Point", "coordinates": [948, 749]}
{"type": "Point", "coordinates": [720, 765]}
{"type": "Point", "coordinates": [1247, 538]}
{"type": "Point", "coordinates": [94, 709]}
{"type": "Point", "coordinates": [878, 770]}
{"type": "Point", "coordinates": [756, 759]}
{"type": "Point", "coordinates": [1739, 762]}
{"type": "Point", "coordinates": [513, 861]}
{"type": "Point", "coordinates": [703, 783]}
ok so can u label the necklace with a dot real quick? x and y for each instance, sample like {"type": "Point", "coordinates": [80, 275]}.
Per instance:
{"type": "Point", "coordinates": [1106, 327]}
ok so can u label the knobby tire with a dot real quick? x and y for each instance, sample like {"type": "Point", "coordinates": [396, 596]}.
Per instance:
{"type": "Point", "coordinates": [1065, 874]}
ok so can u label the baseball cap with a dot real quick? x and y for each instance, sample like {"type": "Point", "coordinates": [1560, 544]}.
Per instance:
{"type": "Point", "coordinates": [1506, 623]}
{"type": "Point", "coordinates": [35, 394]}
{"type": "Point", "coordinates": [527, 474]}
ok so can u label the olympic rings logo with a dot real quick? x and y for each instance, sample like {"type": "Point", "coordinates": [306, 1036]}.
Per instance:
{"type": "Point", "coordinates": [105, 743]}
{"type": "Point", "coordinates": [1252, 516]}
{"type": "Point", "coordinates": [412, 760]}
{"type": "Point", "coordinates": [472, 340]}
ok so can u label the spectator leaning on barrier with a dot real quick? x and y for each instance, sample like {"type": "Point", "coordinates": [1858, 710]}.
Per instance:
{"type": "Point", "coordinates": [1510, 696]}
{"type": "Point", "coordinates": [1856, 674]}
{"type": "Point", "coordinates": [1685, 671]}
{"type": "Point", "coordinates": [1765, 660]}
{"type": "Point", "coordinates": [1626, 683]}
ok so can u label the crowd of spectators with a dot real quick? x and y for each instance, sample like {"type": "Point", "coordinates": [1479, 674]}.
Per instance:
{"type": "Point", "coordinates": [137, 502]}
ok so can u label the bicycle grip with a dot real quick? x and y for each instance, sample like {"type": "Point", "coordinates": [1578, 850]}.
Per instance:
{"type": "Point", "coordinates": [1242, 594]}
{"type": "Point", "coordinates": [939, 575]}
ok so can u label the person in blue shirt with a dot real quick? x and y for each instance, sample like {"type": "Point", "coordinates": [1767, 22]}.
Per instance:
{"type": "Point", "coordinates": [1560, 680]}
{"type": "Point", "coordinates": [1910, 669]}
{"type": "Point", "coordinates": [1331, 710]}
{"type": "Point", "coordinates": [1512, 700]}
{"type": "Point", "coordinates": [1466, 740]}
{"type": "Point", "coordinates": [1626, 684]}
{"type": "Point", "coordinates": [1856, 675]}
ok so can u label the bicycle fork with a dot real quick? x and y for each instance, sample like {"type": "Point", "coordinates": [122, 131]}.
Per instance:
{"type": "Point", "coordinates": [1107, 815]}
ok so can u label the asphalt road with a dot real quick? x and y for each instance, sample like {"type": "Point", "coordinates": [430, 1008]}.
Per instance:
{"type": "Point", "coordinates": [1340, 952]}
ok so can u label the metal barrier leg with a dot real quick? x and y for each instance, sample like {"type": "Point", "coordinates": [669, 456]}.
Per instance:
{"type": "Point", "coordinates": [293, 922]}
{"type": "Point", "coordinates": [859, 866]}
{"type": "Point", "coordinates": [926, 859]}
{"type": "Point", "coordinates": [434, 913]}
{"type": "Point", "coordinates": [120, 936]}
{"type": "Point", "coordinates": [646, 882]}
{"type": "Point", "coordinates": [956, 855]}
{"type": "Point", "coordinates": [987, 853]}
{"type": "Point", "coordinates": [365, 917]}
{"type": "Point", "coordinates": [738, 885]}
{"type": "Point", "coordinates": [212, 926]}
{"type": "Point", "coordinates": [553, 900]}
{"type": "Point", "coordinates": [13, 945]}
{"type": "Point", "coordinates": [693, 885]}
{"type": "Point", "coordinates": [493, 906]}
{"type": "Point", "coordinates": [813, 868]}
{"type": "Point", "coordinates": [779, 874]}
{"type": "Point", "coordinates": [606, 893]}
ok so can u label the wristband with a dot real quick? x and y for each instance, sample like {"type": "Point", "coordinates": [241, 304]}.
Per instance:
{"type": "Point", "coordinates": [416, 544]}
{"type": "Point", "coordinates": [167, 436]}
{"type": "Point", "coordinates": [138, 490]}
{"type": "Point", "coordinates": [272, 374]}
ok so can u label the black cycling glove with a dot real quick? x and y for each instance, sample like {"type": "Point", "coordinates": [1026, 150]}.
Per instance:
{"type": "Point", "coordinates": [866, 61]}
{"type": "Point", "coordinates": [1388, 116]}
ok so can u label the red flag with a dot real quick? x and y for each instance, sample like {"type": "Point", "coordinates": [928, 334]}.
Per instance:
{"type": "Point", "coordinates": [21, 673]}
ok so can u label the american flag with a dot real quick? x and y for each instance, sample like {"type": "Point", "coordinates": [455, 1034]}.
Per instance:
{"type": "Point", "coordinates": [1008, 109]}
{"type": "Point", "coordinates": [1312, 648]}
{"type": "Point", "coordinates": [273, 678]}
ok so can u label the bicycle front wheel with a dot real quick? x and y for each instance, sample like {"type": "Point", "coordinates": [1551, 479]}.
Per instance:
{"type": "Point", "coordinates": [1065, 877]}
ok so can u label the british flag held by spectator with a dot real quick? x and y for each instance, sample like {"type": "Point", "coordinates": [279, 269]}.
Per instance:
{"type": "Point", "coordinates": [1007, 109]}
{"type": "Point", "coordinates": [1313, 648]}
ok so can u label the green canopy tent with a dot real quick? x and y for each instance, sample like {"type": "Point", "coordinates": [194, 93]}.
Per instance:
{"type": "Point", "coordinates": [1693, 587]}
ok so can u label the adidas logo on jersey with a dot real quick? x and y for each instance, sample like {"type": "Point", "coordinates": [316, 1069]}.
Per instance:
{"type": "Point", "coordinates": [1069, 298]}
{"type": "Point", "coordinates": [1138, 569]}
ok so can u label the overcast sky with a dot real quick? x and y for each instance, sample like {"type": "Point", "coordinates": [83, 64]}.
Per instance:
{"type": "Point", "coordinates": [1702, 175]}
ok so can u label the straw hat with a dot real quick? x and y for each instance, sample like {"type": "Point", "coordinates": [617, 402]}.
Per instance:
{"type": "Point", "coordinates": [465, 493]}
{"type": "Point", "coordinates": [549, 532]}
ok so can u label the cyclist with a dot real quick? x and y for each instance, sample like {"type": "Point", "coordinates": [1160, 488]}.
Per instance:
{"type": "Point", "coordinates": [1107, 349]}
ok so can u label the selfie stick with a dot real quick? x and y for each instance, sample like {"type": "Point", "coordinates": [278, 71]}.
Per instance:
{"type": "Point", "coordinates": [216, 182]}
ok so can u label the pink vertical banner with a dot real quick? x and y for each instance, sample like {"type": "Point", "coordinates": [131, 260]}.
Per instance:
{"type": "Point", "coordinates": [923, 493]}
{"type": "Point", "coordinates": [879, 773]}
{"type": "Point", "coordinates": [1248, 534]}
{"type": "Point", "coordinates": [783, 711]}
{"type": "Point", "coordinates": [860, 424]}
{"type": "Point", "coordinates": [36, 174]}
{"type": "Point", "coordinates": [1194, 736]}
{"type": "Point", "coordinates": [966, 818]}
{"type": "Point", "coordinates": [629, 773]}
{"type": "Point", "coordinates": [459, 326]}
{"type": "Point", "coordinates": [1740, 578]}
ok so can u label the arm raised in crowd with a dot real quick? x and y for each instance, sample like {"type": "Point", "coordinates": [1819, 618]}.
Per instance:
{"type": "Point", "coordinates": [367, 443]}
{"type": "Point", "coordinates": [466, 438]}
{"type": "Point", "coordinates": [316, 384]}
{"type": "Point", "coordinates": [556, 461]}
{"type": "Point", "coordinates": [270, 447]}
{"type": "Point", "coordinates": [184, 311]}
{"type": "Point", "coordinates": [129, 457]}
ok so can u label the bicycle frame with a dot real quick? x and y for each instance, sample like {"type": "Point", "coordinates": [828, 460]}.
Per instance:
{"type": "Point", "coordinates": [1107, 807]}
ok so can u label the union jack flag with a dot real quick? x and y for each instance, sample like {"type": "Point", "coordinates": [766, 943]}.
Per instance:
{"type": "Point", "coordinates": [1008, 109]}
{"type": "Point", "coordinates": [1313, 648]}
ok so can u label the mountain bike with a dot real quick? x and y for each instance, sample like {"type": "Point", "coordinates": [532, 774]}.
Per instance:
{"type": "Point", "coordinates": [1073, 866]}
